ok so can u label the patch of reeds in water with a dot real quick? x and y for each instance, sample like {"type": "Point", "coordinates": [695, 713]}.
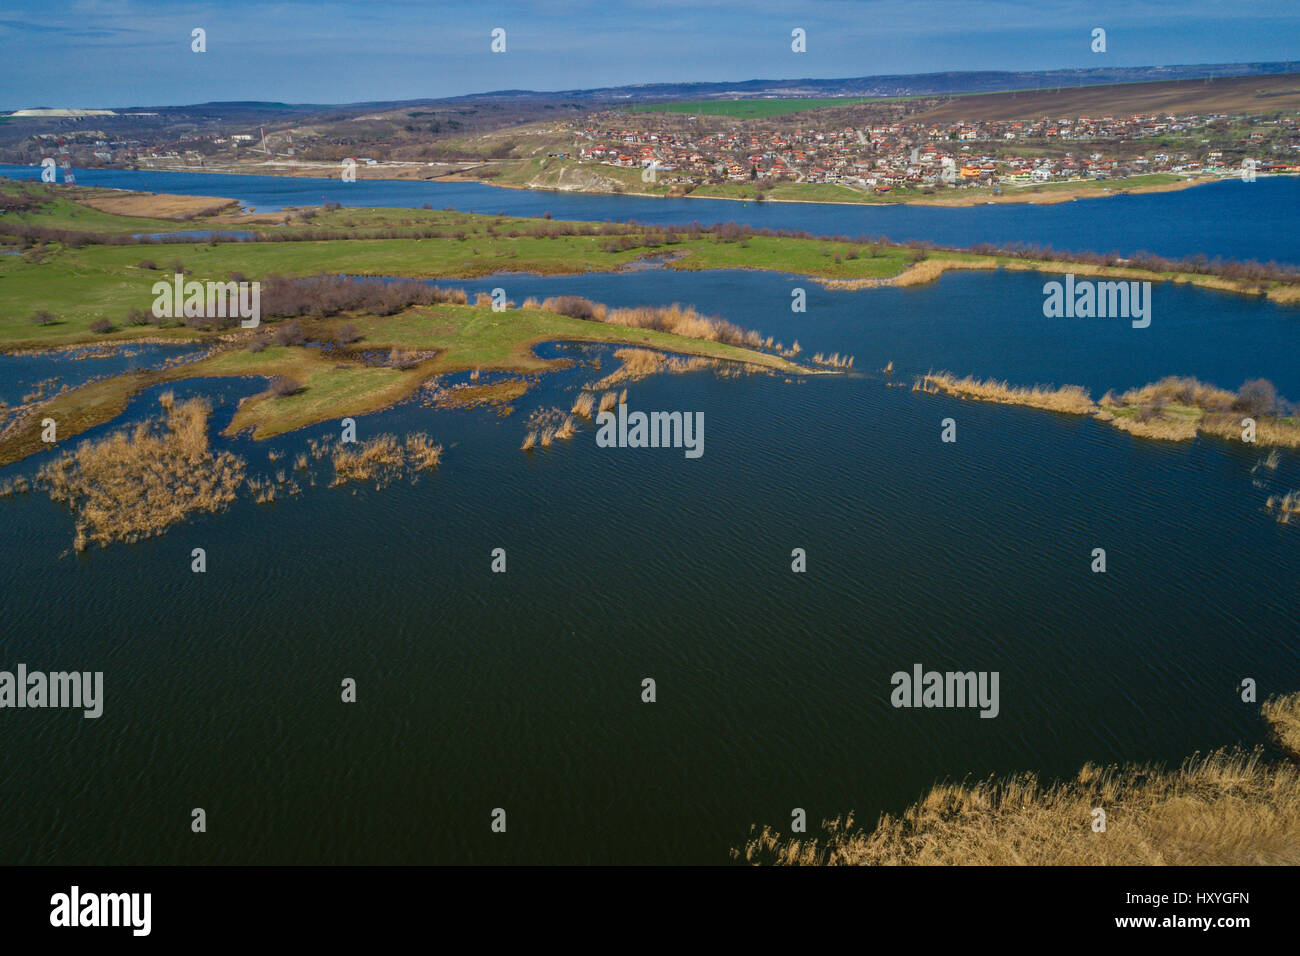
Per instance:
{"type": "Point", "coordinates": [1282, 432]}
{"type": "Point", "coordinates": [137, 482]}
{"type": "Point", "coordinates": [584, 404]}
{"type": "Point", "coordinates": [638, 364]}
{"type": "Point", "coordinates": [1072, 399]}
{"type": "Point", "coordinates": [384, 459]}
{"type": "Point", "coordinates": [1284, 506]}
{"type": "Point", "coordinates": [834, 360]}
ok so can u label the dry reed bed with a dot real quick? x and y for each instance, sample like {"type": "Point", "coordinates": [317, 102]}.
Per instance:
{"type": "Point", "coordinates": [1284, 506]}
{"type": "Point", "coordinates": [1283, 716]}
{"type": "Point", "coordinates": [137, 482]}
{"type": "Point", "coordinates": [1071, 399]}
{"type": "Point", "coordinates": [384, 459]}
{"type": "Point", "coordinates": [638, 364]}
{"type": "Point", "coordinates": [547, 426]}
{"type": "Point", "coordinates": [1172, 409]}
{"type": "Point", "coordinates": [1228, 808]}
{"type": "Point", "coordinates": [919, 273]}
{"type": "Point", "coordinates": [1242, 278]}
{"type": "Point", "coordinates": [675, 318]}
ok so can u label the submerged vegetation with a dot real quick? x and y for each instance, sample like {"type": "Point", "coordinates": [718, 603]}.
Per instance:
{"type": "Point", "coordinates": [1227, 808]}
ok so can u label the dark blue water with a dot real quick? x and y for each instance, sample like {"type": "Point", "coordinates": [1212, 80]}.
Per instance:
{"type": "Point", "coordinates": [1229, 219]}
{"type": "Point", "coordinates": [522, 690]}
{"type": "Point", "coordinates": [199, 235]}
{"type": "Point", "coordinates": [987, 324]}
{"type": "Point", "coordinates": [20, 374]}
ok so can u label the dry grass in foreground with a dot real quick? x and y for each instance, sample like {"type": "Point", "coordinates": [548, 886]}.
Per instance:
{"type": "Point", "coordinates": [1283, 716]}
{"type": "Point", "coordinates": [1228, 808]}
{"type": "Point", "coordinates": [136, 483]}
{"type": "Point", "coordinates": [384, 459]}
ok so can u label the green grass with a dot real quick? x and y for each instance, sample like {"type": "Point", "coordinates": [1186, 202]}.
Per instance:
{"type": "Point", "coordinates": [92, 282]}
{"type": "Point", "coordinates": [334, 386]}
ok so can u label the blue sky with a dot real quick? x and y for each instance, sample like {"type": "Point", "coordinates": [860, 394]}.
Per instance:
{"type": "Point", "coordinates": [114, 53]}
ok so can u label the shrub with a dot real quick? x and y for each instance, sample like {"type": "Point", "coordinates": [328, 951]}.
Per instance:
{"type": "Point", "coordinates": [290, 333]}
{"type": "Point", "coordinates": [137, 317]}
{"type": "Point", "coordinates": [43, 318]}
{"type": "Point", "coordinates": [1257, 396]}
{"type": "Point", "coordinates": [101, 326]}
{"type": "Point", "coordinates": [282, 386]}
{"type": "Point", "coordinates": [147, 264]}
{"type": "Point", "coordinates": [346, 333]}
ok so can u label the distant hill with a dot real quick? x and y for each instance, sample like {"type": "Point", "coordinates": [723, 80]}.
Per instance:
{"type": "Point", "coordinates": [1238, 94]}
{"type": "Point", "coordinates": [920, 84]}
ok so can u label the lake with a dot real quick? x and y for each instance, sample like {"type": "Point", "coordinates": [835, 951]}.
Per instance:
{"type": "Point", "coordinates": [522, 690]}
{"type": "Point", "coordinates": [1229, 219]}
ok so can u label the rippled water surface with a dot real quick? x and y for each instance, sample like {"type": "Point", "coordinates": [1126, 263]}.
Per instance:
{"type": "Point", "coordinates": [480, 690]}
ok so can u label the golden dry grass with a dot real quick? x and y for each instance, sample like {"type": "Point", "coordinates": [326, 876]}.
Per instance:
{"type": "Point", "coordinates": [1283, 716]}
{"type": "Point", "coordinates": [156, 206]}
{"type": "Point", "coordinates": [384, 459]}
{"type": "Point", "coordinates": [530, 440]}
{"type": "Point", "coordinates": [1228, 808]}
{"type": "Point", "coordinates": [927, 270]}
{"type": "Point", "coordinates": [608, 401]}
{"type": "Point", "coordinates": [137, 482]}
{"type": "Point", "coordinates": [1268, 431]}
{"type": "Point", "coordinates": [642, 363]}
{"type": "Point", "coordinates": [584, 404]}
{"type": "Point", "coordinates": [1071, 399]}
{"type": "Point", "coordinates": [676, 318]}
{"type": "Point", "coordinates": [1284, 506]}
{"type": "Point", "coordinates": [1157, 427]}
{"type": "Point", "coordinates": [1180, 391]}
{"type": "Point", "coordinates": [1172, 409]}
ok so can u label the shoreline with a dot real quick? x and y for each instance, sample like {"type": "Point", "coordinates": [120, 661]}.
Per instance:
{"type": "Point", "coordinates": [1055, 195]}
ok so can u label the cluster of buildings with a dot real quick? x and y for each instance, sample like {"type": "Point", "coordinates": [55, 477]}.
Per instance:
{"type": "Point", "coordinates": [903, 153]}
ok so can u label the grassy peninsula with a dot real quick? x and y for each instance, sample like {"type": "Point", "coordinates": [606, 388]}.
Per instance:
{"type": "Point", "coordinates": [80, 266]}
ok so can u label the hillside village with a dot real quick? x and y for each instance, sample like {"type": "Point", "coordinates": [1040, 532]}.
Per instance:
{"type": "Point", "coordinates": [908, 153]}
